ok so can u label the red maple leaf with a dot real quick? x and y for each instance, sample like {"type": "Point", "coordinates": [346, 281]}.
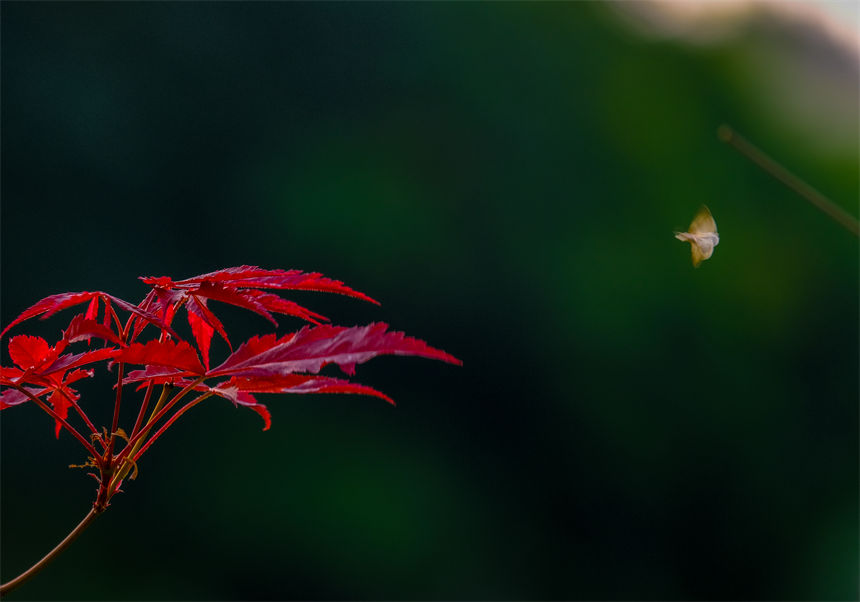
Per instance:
{"type": "Point", "coordinates": [41, 364]}
{"type": "Point", "coordinates": [44, 373]}
{"type": "Point", "coordinates": [180, 356]}
{"type": "Point", "coordinates": [239, 286]}
{"type": "Point", "coordinates": [29, 352]}
{"type": "Point", "coordinates": [48, 306]}
{"type": "Point", "coordinates": [82, 328]}
{"type": "Point", "coordinates": [311, 348]}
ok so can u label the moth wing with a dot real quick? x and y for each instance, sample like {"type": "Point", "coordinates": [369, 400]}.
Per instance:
{"type": "Point", "coordinates": [703, 222]}
{"type": "Point", "coordinates": [702, 249]}
{"type": "Point", "coordinates": [699, 254]}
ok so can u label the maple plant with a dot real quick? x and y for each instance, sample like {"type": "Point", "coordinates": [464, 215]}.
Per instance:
{"type": "Point", "coordinates": [172, 375]}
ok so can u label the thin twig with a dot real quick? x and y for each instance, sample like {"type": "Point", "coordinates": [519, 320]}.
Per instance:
{"type": "Point", "coordinates": [10, 585]}
{"type": "Point", "coordinates": [44, 406]}
{"type": "Point", "coordinates": [760, 158]}
{"type": "Point", "coordinates": [161, 413]}
{"type": "Point", "coordinates": [142, 412]}
{"type": "Point", "coordinates": [81, 413]}
{"type": "Point", "coordinates": [170, 421]}
{"type": "Point", "coordinates": [136, 441]}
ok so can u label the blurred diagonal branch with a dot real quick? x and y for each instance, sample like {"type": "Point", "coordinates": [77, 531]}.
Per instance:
{"type": "Point", "coordinates": [757, 156]}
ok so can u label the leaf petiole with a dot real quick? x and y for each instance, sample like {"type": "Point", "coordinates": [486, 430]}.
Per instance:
{"type": "Point", "coordinates": [55, 416]}
{"type": "Point", "coordinates": [137, 438]}
{"type": "Point", "coordinates": [143, 406]}
{"type": "Point", "coordinates": [170, 421]}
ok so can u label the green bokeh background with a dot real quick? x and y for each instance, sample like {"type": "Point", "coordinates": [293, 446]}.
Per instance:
{"type": "Point", "coordinates": [505, 178]}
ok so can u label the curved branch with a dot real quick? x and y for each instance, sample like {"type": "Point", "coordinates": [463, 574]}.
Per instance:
{"type": "Point", "coordinates": [10, 585]}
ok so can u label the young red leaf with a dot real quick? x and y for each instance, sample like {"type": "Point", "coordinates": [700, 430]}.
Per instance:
{"type": "Point", "coordinates": [107, 318]}
{"type": "Point", "coordinates": [173, 297]}
{"type": "Point", "coordinates": [236, 297]}
{"type": "Point", "coordinates": [198, 306]}
{"type": "Point", "coordinates": [92, 309]}
{"type": "Point", "coordinates": [164, 302]}
{"type": "Point", "coordinates": [28, 351]}
{"type": "Point", "coordinates": [267, 364]}
{"type": "Point", "coordinates": [238, 390]}
{"type": "Point", "coordinates": [200, 328]}
{"type": "Point", "coordinates": [9, 375]}
{"type": "Point", "coordinates": [302, 383]}
{"type": "Point", "coordinates": [244, 399]}
{"type": "Point", "coordinates": [158, 374]}
{"type": "Point", "coordinates": [61, 407]}
{"type": "Point", "coordinates": [160, 304]}
{"type": "Point", "coordinates": [51, 305]}
{"type": "Point", "coordinates": [145, 305]}
{"type": "Point", "coordinates": [52, 378]}
{"type": "Point", "coordinates": [311, 348]}
{"type": "Point", "coordinates": [179, 355]}
{"type": "Point", "coordinates": [280, 305]}
{"type": "Point", "coordinates": [202, 334]}
{"type": "Point", "coordinates": [261, 409]}
{"type": "Point", "coordinates": [235, 286]}
{"type": "Point", "coordinates": [14, 397]}
{"type": "Point", "coordinates": [247, 276]}
{"type": "Point", "coordinates": [83, 329]}
{"type": "Point", "coordinates": [76, 375]}
{"type": "Point", "coordinates": [69, 361]}
{"type": "Point", "coordinates": [161, 323]}
{"type": "Point", "coordinates": [165, 282]}
{"type": "Point", "coordinates": [54, 303]}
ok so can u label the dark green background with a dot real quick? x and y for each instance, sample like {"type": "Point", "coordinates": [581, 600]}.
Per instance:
{"type": "Point", "coordinates": [505, 178]}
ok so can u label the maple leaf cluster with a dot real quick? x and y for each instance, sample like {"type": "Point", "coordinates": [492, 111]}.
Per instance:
{"type": "Point", "coordinates": [44, 374]}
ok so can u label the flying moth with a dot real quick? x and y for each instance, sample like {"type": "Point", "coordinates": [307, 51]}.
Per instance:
{"type": "Point", "coordinates": [702, 235]}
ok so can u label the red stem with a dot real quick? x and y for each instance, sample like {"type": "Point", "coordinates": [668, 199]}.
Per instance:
{"type": "Point", "coordinates": [120, 373]}
{"type": "Point", "coordinates": [139, 422]}
{"type": "Point", "coordinates": [55, 416]}
{"type": "Point", "coordinates": [81, 413]}
{"type": "Point", "coordinates": [167, 424]}
{"type": "Point", "coordinates": [120, 330]}
{"type": "Point", "coordinates": [115, 421]}
{"type": "Point", "coordinates": [167, 407]}
{"type": "Point", "coordinates": [10, 585]}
